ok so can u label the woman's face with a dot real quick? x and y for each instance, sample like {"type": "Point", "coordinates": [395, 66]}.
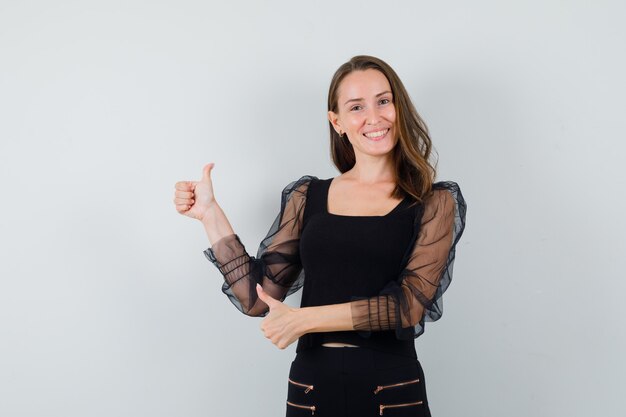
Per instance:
{"type": "Point", "coordinates": [366, 112]}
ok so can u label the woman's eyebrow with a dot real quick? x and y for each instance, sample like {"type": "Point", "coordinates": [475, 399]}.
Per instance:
{"type": "Point", "coordinates": [360, 98]}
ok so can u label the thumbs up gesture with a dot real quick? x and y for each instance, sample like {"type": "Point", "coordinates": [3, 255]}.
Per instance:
{"type": "Point", "coordinates": [282, 325]}
{"type": "Point", "coordinates": [193, 198]}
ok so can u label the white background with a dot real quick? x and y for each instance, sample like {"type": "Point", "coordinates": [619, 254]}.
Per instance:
{"type": "Point", "coordinates": [108, 306]}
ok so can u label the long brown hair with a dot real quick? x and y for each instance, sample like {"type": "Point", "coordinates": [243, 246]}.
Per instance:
{"type": "Point", "coordinates": [414, 172]}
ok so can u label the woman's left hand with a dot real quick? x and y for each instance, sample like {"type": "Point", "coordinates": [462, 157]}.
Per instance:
{"type": "Point", "coordinates": [283, 324]}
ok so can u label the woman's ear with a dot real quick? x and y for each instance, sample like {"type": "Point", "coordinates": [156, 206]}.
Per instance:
{"type": "Point", "coordinates": [333, 118]}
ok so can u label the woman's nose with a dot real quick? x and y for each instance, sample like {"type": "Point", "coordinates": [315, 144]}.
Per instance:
{"type": "Point", "coordinates": [372, 116]}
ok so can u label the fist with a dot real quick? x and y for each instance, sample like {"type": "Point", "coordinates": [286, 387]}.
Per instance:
{"type": "Point", "coordinates": [193, 198]}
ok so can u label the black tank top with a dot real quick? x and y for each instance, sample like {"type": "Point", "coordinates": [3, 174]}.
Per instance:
{"type": "Point", "coordinates": [347, 256]}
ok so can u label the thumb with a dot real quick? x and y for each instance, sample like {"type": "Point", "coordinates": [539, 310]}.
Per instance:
{"type": "Point", "coordinates": [264, 296]}
{"type": "Point", "coordinates": [206, 172]}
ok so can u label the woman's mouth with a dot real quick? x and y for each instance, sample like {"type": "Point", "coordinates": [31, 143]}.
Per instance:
{"type": "Point", "coordinates": [377, 136]}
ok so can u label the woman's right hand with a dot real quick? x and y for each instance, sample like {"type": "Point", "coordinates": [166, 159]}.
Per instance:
{"type": "Point", "coordinates": [194, 198]}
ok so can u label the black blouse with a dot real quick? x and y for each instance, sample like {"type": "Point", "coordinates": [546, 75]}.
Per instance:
{"type": "Point", "coordinates": [393, 269]}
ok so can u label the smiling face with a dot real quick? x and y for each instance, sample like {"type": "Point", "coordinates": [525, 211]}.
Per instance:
{"type": "Point", "coordinates": [366, 113]}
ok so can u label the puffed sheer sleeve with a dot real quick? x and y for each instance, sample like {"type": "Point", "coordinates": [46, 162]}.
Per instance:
{"type": "Point", "coordinates": [406, 303]}
{"type": "Point", "coordinates": [276, 266]}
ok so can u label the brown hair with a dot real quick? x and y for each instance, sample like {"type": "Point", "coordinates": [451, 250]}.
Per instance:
{"type": "Point", "coordinates": [411, 154]}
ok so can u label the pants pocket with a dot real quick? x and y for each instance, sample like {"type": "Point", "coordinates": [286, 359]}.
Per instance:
{"type": "Point", "coordinates": [400, 391]}
{"type": "Point", "coordinates": [301, 394]}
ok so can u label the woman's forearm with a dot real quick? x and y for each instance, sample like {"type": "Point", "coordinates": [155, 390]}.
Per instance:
{"type": "Point", "coordinates": [216, 224]}
{"type": "Point", "coordinates": [225, 253]}
{"type": "Point", "coordinates": [327, 318]}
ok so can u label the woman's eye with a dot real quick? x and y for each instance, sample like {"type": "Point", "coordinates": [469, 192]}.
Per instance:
{"type": "Point", "coordinates": [358, 107]}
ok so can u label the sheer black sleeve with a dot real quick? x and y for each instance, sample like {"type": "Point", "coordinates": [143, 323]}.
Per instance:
{"type": "Point", "coordinates": [277, 265]}
{"type": "Point", "coordinates": [404, 304]}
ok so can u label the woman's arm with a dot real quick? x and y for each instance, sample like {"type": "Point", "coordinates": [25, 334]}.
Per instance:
{"type": "Point", "coordinates": [276, 266]}
{"type": "Point", "coordinates": [327, 318]}
{"type": "Point", "coordinates": [216, 223]}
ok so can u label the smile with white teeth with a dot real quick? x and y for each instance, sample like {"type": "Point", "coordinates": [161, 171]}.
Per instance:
{"type": "Point", "coordinates": [376, 135]}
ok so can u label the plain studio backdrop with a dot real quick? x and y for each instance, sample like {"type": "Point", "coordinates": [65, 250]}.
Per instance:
{"type": "Point", "coordinates": [108, 306]}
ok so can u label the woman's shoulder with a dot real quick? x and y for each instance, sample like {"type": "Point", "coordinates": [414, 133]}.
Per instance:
{"type": "Point", "coordinates": [446, 185]}
{"type": "Point", "coordinates": [298, 186]}
{"type": "Point", "coordinates": [448, 194]}
{"type": "Point", "coordinates": [303, 180]}
{"type": "Point", "coordinates": [448, 189]}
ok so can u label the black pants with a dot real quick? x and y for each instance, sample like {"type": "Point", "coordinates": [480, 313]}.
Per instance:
{"type": "Point", "coordinates": [355, 382]}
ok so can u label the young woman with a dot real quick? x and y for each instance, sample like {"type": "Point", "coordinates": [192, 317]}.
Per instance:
{"type": "Point", "coordinates": [377, 244]}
